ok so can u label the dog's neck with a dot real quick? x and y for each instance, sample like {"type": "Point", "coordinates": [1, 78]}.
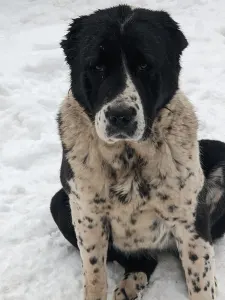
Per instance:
{"type": "Point", "coordinates": [78, 132]}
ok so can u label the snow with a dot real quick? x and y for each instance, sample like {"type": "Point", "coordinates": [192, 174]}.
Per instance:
{"type": "Point", "coordinates": [36, 261]}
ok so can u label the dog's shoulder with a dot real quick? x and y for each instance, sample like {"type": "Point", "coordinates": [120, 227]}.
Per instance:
{"type": "Point", "coordinates": [73, 122]}
{"type": "Point", "coordinates": [181, 117]}
{"type": "Point", "coordinates": [180, 126]}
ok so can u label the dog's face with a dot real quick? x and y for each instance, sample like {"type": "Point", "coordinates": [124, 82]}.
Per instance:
{"type": "Point", "coordinates": [124, 68]}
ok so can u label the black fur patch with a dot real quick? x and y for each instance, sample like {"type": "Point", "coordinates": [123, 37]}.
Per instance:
{"type": "Point", "coordinates": [66, 174]}
{"type": "Point", "coordinates": [202, 221]}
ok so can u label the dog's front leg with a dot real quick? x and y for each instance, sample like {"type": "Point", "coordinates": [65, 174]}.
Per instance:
{"type": "Point", "coordinates": [197, 256]}
{"type": "Point", "coordinates": [92, 235]}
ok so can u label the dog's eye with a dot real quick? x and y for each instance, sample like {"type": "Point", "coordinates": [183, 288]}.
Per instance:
{"type": "Point", "coordinates": [142, 67]}
{"type": "Point", "coordinates": [99, 68]}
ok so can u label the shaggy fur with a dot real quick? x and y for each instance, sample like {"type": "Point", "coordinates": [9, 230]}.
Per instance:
{"type": "Point", "coordinates": [131, 169]}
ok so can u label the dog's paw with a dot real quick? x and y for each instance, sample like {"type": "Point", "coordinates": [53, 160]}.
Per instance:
{"type": "Point", "coordinates": [131, 287]}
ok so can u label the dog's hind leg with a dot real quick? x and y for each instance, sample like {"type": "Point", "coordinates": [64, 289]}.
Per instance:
{"type": "Point", "coordinates": [138, 269]}
{"type": "Point", "coordinates": [212, 157]}
{"type": "Point", "coordinates": [217, 203]}
{"type": "Point", "coordinates": [215, 200]}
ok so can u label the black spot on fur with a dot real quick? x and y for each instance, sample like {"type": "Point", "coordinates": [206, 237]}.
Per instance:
{"type": "Point", "coordinates": [144, 189]}
{"type": "Point", "coordinates": [80, 240]}
{"type": "Point", "coordinates": [93, 260]}
{"type": "Point", "coordinates": [134, 98]}
{"type": "Point", "coordinates": [159, 119]}
{"type": "Point", "coordinates": [76, 194]}
{"type": "Point", "coordinates": [197, 289]}
{"type": "Point", "coordinates": [188, 202]}
{"type": "Point", "coordinates": [90, 248]}
{"type": "Point", "coordinates": [133, 221]}
{"type": "Point", "coordinates": [159, 144]}
{"type": "Point", "coordinates": [162, 177]}
{"type": "Point", "coordinates": [154, 226]}
{"type": "Point", "coordinates": [128, 233]}
{"type": "Point", "coordinates": [105, 226]}
{"type": "Point", "coordinates": [90, 220]}
{"type": "Point", "coordinates": [162, 196]}
{"type": "Point", "coordinates": [183, 221]}
{"type": "Point", "coordinates": [85, 159]}
{"type": "Point", "coordinates": [193, 257]}
{"type": "Point", "coordinates": [206, 257]}
{"type": "Point", "coordinates": [196, 236]}
{"type": "Point", "coordinates": [190, 174]}
{"type": "Point", "coordinates": [172, 208]}
{"type": "Point", "coordinates": [192, 246]}
{"type": "Point", "coordinates": [98, 200]}
{"type": "Point", "coordinates": [135, 277]}
{"type": "Point", "coordinates": [181, 183]}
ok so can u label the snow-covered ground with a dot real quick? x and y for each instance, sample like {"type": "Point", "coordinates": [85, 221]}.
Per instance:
{"type": "Point", "coordinates": [36, 262]}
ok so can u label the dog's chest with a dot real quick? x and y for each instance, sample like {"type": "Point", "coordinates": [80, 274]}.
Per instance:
{"type": "Point", "coordinates": [141, 229]}
{"type": "Point", "coordinates": [134, 222]}
{"type": "Point", "coordinates": [138, 194]}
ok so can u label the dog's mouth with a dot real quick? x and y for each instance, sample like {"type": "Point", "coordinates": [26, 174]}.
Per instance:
{"type": "Point", "coordinates": [127, 132]}
{"type": "Point", "coordinates": [119, 137]}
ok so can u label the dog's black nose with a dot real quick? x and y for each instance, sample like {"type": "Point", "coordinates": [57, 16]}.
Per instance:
{"type": "Point", "coordinates": [121, 117]}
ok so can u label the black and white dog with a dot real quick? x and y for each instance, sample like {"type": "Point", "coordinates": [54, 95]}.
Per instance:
{"type": "Point", "coordinates": [135, 179]}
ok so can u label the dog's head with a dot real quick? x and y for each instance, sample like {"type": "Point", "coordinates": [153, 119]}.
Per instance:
{"type": "Point", "coordinates": [124, 66]}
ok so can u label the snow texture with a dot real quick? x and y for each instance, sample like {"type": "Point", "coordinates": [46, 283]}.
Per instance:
{"type": "Point", "coordinates": [36, 261]}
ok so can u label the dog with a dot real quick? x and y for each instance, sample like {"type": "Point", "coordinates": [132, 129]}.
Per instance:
{"type": "Point", "coordinates": [135, 178]}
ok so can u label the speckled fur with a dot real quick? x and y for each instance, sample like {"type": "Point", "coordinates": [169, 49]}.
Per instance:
{"type": "Point", "coordinates": [143, 194]}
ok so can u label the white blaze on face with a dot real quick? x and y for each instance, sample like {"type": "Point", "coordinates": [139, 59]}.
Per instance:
{"type": "Point", "coordinates": [128, 98]}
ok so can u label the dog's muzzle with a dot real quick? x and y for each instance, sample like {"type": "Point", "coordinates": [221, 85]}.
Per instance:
{"type": "Point", "coordinates": [121, 122]}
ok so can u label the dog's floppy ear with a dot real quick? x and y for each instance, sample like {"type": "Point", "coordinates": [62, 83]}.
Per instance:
{"type": "Point", "coordinates": [176, 35]}
{"type": "Point", "coordinates": [70, 42]}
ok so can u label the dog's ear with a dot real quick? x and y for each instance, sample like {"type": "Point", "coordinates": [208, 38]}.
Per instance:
{"type": "Point", "coordinates": [176, 35]}
{"type": "Point", "coordinates": [70, 43]}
